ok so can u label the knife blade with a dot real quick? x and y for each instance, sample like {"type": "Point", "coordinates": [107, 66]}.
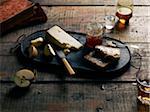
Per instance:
{"type": "Point", "coordinates": [62, 56]}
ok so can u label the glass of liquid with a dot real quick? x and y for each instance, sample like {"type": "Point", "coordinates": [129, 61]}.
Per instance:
{"type": "Point", "coordinates": [124, 11]}
{"type": "Point", "coordinates": [143, 83]}
{"type": "Point", "coordinates": [109, 22]}
{"type": "Point", "coordinates": [94, 33]}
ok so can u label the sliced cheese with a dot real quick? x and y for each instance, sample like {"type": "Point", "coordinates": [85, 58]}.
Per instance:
{"type": "Point", "coordinates": [61, 38]}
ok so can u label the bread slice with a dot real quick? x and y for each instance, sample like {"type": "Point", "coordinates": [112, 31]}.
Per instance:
{"type": "Point", "coordinates": [103, 57]}
{"type": "Point", "coordinates": [98, 62]}
{"type": "Point", "coordinates": [107, 53]}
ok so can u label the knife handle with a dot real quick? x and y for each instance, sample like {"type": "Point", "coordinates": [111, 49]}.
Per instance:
{"type": "Point", "coordinates": [68, 66]}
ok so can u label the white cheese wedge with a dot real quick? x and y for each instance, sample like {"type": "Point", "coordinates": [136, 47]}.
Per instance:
{"type": "Point", "coordinates": [63, 39]}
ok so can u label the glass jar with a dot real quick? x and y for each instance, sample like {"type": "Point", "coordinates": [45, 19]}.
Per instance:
{"type": "Point", "coordinates": [94, 33]}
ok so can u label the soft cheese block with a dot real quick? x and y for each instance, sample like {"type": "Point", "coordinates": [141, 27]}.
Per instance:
{"type": "Point", "coordinates": [61, 38]}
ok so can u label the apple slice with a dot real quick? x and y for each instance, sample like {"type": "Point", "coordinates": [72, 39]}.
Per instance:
{"type": "Point", "coordinates": [48, 50]}
{"type": "Point", "coordinates": [32, 51]}
{"type": "Point", "coordinates": [37, 42]}
{"type": "Point", "coordinates": [23, 78]}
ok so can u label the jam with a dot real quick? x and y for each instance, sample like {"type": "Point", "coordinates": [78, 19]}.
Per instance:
{"type": "Point", "coordinates": [92, 41]}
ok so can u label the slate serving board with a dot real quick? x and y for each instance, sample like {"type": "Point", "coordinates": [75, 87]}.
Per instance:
{"type": "Point", "coordinates": [76, 59]}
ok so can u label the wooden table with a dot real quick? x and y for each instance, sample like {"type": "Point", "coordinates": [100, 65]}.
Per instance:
{"type": "Point", "coordinates": [56, 92]}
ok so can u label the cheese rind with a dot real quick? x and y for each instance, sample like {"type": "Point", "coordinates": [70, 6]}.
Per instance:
{"type": "Point", "coordinates": [61, 38]}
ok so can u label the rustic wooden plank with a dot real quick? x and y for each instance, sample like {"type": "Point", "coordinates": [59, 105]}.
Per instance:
{"type": "Point", "coordinates": [76, 18]}
{"type": "Point", "coordinates": [5, 48]}
{"type": "Point", "coordinates": [70, 97]}
{"type": "Point", "coordinates": [144, 48]}
{"type": "Point", "coordinates": [87, 2]}
{"type": "Point", "coordinates": [10, 64]}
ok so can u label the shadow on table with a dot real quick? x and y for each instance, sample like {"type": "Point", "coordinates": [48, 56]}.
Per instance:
{"type": "Point", "coordinates": [17, 92]}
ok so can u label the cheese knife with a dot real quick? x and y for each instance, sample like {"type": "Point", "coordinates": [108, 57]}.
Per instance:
{"type": "Point", "coordinates": [62, 56]}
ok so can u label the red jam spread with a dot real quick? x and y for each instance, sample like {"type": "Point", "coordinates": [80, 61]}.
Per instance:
{"type": "Point", "coordinates": [92, 41]}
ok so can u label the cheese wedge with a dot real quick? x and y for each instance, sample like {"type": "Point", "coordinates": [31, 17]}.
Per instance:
{"type": "Point", "coordinates": [61, 38]}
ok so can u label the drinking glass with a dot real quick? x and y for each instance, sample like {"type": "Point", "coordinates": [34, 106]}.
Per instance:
{"type": "Point", "coordinates": [124, 10]}
{"type": "Point", "coordinates": [109, 22]}
{"type": "Point", "coordinates": [143, 83]}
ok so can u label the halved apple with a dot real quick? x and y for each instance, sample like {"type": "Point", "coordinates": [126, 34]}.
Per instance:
{"type": "Point", "coordinates": [23, 78]}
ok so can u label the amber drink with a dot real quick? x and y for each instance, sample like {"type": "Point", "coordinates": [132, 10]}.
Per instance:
{"type": "Point", "coordinates": [124, 11]}
{"type": "Point", "coordinates": [143, 82]}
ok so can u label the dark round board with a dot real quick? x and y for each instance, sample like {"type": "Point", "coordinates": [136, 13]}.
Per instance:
{"type": "Point", "coordinates": [75, 58]}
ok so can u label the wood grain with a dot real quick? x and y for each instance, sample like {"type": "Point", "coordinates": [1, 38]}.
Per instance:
{"type": "Point", "coordinates": [52, 90]}
{"type": "Point", "coordinates": [76, 18]}
{"type": "Point", "coordinates": [87, 2]}
{"type": "Point", "coordinates": [70, 97]}
{"type": "Point", "coordinates": [10, 65]}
